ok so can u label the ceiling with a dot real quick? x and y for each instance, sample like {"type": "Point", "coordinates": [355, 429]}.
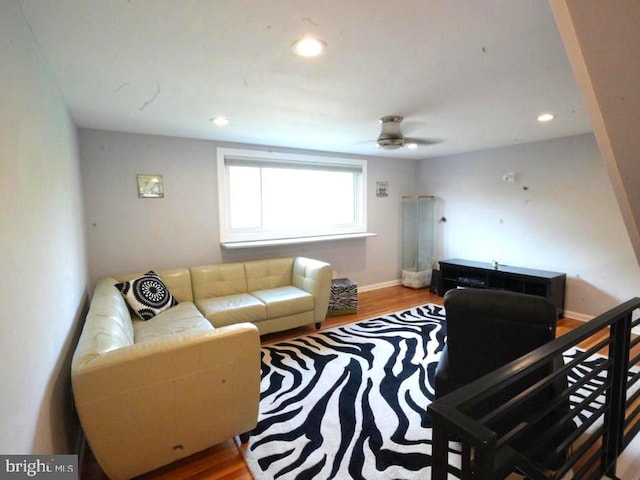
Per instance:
{"type": "Point", "coordinates": [465, 75]}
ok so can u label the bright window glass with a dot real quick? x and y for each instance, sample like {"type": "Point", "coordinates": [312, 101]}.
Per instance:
{"type": "Point", "coordinates": [244, 197]}
{"type": "Point", "coordinates": [265, 195]}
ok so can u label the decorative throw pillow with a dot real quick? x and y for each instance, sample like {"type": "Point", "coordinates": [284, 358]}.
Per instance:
{"type": "Point", "coordinates": [147, 295]}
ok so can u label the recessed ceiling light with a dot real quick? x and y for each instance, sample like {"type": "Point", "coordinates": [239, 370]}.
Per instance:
{"type": "Point", "coordinates": [308, 47]}
{"type": "Point", "coordinates": [412, 145]}
{"type": "Point", "coordinates": [220, 121]}
{"type": "Point", "coordinates": [546, 117]}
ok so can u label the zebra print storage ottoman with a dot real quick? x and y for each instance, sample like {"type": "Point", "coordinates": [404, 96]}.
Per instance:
{"type": "Point", "coordinates": [344, 297]}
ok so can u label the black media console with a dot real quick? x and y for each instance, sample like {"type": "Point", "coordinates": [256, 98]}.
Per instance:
{"type": "Point", "coordinates": [457, 273]}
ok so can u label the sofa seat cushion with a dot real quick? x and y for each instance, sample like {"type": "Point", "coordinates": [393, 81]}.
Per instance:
{"type": "Point", "coordinates": [184, 318]}
{"type": "Point", "coordinates": [230, 309]}
{"type": "Point", "coordinates": [284, 301]}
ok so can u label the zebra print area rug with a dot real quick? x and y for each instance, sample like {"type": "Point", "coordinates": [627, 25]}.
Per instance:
{"type": "Point", "coordinates": [350, 402]}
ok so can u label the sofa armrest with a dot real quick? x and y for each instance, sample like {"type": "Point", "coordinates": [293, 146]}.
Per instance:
{"type": "Point", "coordinates": [314, 277]}
{"type": "Point", "coordinates": [168, 398]}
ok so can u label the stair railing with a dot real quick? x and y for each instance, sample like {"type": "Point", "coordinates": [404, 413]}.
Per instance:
{"type": "Point", "coordinates": [604, 415]}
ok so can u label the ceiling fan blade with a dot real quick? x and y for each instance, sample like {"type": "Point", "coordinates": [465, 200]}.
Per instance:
{"type": "Point", "coordinates": [423, 141]}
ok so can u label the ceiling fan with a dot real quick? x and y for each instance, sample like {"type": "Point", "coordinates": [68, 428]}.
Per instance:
{"type": "Point", "coordinates": [391, 136]}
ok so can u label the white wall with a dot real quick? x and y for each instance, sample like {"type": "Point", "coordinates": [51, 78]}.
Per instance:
{"type": "Point", "coordinates": [126, 233]}
{"type": "Point", "coordinates": [42, 249]}
{"type": "Point", "coordinates": [560, 214]}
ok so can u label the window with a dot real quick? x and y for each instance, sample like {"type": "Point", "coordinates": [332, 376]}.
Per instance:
{"type": "Point", "coordinates": [270, 196]}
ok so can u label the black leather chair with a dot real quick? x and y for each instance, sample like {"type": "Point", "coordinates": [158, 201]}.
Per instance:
{"type": "Point", "coordinates": [487, 329]}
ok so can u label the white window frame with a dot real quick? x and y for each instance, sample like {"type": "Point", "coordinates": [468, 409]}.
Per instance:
{"type": "Point", "coordinates": [230, 236]}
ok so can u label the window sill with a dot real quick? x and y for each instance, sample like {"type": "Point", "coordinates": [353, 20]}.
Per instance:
{"type": "Point", "coordinates": [294, 241]}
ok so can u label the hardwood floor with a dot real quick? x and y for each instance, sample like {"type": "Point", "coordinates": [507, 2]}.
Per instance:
{"type": "Point", "coordinates": [224, 461]}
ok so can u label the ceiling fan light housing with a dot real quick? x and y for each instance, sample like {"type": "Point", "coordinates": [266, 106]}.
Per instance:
{"type": "Point", "coordinates": [390, 135]}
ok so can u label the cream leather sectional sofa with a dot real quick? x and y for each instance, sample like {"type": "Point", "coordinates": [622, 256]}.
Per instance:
{"type": "Point", "coordinates": [275, 294]}
{"type": "Point", "coordinates": [151, 392]}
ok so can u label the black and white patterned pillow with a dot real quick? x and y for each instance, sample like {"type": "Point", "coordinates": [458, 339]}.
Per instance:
{"type": "Point", "coordinates": [147, 295]}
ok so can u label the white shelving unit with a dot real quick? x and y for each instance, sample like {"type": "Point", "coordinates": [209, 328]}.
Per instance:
{"type": "Point", "coordinates": [417, 240]}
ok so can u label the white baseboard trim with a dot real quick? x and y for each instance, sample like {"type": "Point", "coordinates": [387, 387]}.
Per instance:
{"type": "Point", "coordinates": [377, 286]}
{"type": "Point", "coordinates": [578, 316]}
{"type": "Point", "coordinates": [392, 283]}
{"type": "Point", "coordinates": [585, 318]}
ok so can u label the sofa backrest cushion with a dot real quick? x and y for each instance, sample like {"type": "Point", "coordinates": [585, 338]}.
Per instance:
{"type": "Point", "coordinates": [177, 280]}
{"type": "Point", "coordinates": [265, 274]}
{"type": "Point", "coordinates": [108, 324]}
{"type": "Point", "coordinates": [218, 280]}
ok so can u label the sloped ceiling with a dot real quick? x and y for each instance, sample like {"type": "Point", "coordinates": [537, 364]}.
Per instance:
{"type": "Point", "coordinates": [465, 75]}
{"type": "Point", "coordinates": [603, 40]}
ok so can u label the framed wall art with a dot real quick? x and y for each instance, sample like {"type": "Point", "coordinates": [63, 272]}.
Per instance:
{"type": "Point", "coordinates": [150, 186]}
{"type": "Point", "coordinates": [382, 189]}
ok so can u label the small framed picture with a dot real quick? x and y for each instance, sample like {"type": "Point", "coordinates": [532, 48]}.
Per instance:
{"type": "Point", "coordinates": [382, 189]}
{"type": "Point", "coordinates": [150, 186]}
